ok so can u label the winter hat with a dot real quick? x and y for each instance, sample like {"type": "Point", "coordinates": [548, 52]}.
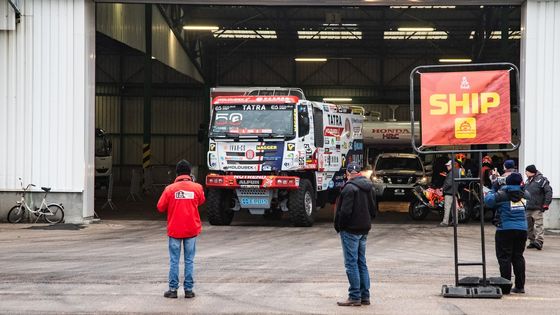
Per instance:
{"type": "Point", "coordinates": [514, 179]}
{"type": "Point", "coordinates": [183, 168]}
{"type": "Point", "coordinates": [353, 168]}
{"type": "Point", "coordinates": [509, 164]}
{"type": "Point", "coordinates": [448, 163]}
{"type": "Point", "coordinates": [532, 169]}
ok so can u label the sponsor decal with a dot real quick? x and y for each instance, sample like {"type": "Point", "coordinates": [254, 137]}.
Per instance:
{"type": "Point", "coordinates": [358, 146]}
{"type": "Point", "coordinates": [267, 147]}
{"type": "Point", "coordinates": [291, 147]}
{"type": "Point", "coordinates": [183, 194]}
{"type": "Point", "coordinates": [212, 147]}
{"type": "Point", "coordinates": [465, 108]}
{"type": "Point", "coordinates": [241, 167]}
{"type": "Point", "coordinates": [250, 154]}
{"type": "Point", "coordinates": [333, 131]}
{"type": "Point", "coordinates": [256, 182]}
{"type": "Point", "coordinates": [254, 107]}
{"type": "Point", "coordinates": [249, 176]}
{"type": "Point", "coordinates": [334, 120]}
{"type": "Point", "coordinates": [268, 182]}
{"type": "Point", "coordinates": [237, 148]}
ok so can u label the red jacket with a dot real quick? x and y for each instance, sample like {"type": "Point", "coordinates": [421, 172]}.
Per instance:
{"type": "Point", "coordinates": [181, 200]}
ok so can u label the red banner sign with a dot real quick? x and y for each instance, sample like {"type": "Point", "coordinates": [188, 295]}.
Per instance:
{"type": "Point", "coordinates": [464, 108]}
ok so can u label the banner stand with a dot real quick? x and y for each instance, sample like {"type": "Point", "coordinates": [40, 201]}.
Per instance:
{"type": "Point", "coordinates": [468, 287]}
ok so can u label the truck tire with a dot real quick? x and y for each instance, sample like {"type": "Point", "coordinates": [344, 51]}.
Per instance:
{"type": "Point", "coordinates": [217, 205]}
{"type": "Point", "coordinates": [301, 204]}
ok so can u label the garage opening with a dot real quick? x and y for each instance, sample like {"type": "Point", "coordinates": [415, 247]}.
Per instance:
{"type": "Point", "coordinates": [159, 94]}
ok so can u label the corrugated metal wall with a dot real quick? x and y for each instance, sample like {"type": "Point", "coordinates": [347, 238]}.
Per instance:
{"type": "Point", "coordinates": [176, 114]}
{"type": "Point", "coordinates": [540, 69]}
{"type": "Point", "coordinates": [44, 96]}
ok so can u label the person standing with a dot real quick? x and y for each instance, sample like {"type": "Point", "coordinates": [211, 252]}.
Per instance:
{"type": "Point", "coordinates": [448, 192]}
{"type": "Point", "coordinates": [355, 208]}
{"type": "Point", "coordinates": [541, 197]}
{"type": "Point", "coordinates": [181, 201]}
{"type": "Point", "coordinates": [511, 228]}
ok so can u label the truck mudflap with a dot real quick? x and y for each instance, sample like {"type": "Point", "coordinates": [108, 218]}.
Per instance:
{"type": "Point", "coordinates": [252, 181]}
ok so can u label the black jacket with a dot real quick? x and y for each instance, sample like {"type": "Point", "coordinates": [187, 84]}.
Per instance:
{"type": "Point", "coordinates": [355, 207]}
{"type": "Point", "coordinates": [540, 190]}
{"type": "Point", "coordinates": [448, 183]}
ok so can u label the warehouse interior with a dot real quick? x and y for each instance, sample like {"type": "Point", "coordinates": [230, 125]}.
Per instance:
{"type": "Point", "coordinates": [361, 54]}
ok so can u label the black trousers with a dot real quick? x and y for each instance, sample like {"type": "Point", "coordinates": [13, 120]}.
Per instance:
{"type": "Point", "coordinates": [510, 245]}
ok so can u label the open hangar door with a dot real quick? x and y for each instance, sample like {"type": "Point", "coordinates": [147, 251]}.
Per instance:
{"type": "Point", "coordinates": [363, 56]}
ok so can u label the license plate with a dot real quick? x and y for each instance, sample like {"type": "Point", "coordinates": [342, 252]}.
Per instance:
{"type": "Point", "coordinates": [254, 202]}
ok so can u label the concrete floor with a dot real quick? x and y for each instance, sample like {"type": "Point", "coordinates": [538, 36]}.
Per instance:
{"type": "Point", "coordinates": [253, 267]}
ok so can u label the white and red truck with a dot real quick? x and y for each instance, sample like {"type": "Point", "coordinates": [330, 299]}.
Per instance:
{"type": "Point", "coordinates": [278, 153]}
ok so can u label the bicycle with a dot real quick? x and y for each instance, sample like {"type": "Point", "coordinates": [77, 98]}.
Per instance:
{"type": "Point", "coordinates": [51, 213]}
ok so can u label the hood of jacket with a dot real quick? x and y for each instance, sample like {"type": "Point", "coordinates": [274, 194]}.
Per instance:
{"type": "Point", "coordinates": [514, 192]}
{"type": "Point", "coordinates": [362, 183]}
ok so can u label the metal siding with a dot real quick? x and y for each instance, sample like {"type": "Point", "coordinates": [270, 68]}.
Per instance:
{"type": "Point", "coordinates": [43, 96]}
{"type": "Point", "coordinates": [123, 22]}
{"type": "Point", "coordinates": [540, 69]}
{"type": "Point", "coordinates": [167, 49]}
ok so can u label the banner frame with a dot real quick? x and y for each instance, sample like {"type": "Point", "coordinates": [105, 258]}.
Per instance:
{"type": "Point", "coordinates": [466, 67]}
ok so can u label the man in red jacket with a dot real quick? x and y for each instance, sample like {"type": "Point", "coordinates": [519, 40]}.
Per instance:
{"type": "Point", "coordinates": [181, 200]}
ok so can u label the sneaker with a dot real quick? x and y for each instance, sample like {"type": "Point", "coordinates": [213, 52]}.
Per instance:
{"type": "Point", "coordinates": [366, 302]}
{"type": "Point", "coordinates": [172, 294]}
{"type": "Point", "coordinates": [538, 246]}
{"type": "Point", "coordinates": [443, 225]}
{"type": "Point", "coordinates": [350, 303]}
{"type": "Point", "coordinates": [531, 245]}
{"type": "Point", "coordinates": [518, 290]}
{"type": "Point", "coordinates": [189, 294]}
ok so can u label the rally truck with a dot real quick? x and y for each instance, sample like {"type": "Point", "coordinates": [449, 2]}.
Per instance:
{"type": "Point", "coordinates": [271, 154]}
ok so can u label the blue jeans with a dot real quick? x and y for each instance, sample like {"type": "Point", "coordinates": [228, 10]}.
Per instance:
{"type": "Point", "coordinates": [189, 245]}
{"type": "Point", "coordinates": [354, 249]}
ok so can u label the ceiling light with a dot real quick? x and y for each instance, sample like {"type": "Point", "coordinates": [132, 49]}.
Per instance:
{"type": "Point", "coordinates": [455, 60]}
{"type": "Point", "coordinates": [415, 29]}
{"type": "Point", "coordinates": [200, 28]}
{"type": "Point", "coordinates": [337, 99]}
{"type": "Point", "coordinates": [311, 59]}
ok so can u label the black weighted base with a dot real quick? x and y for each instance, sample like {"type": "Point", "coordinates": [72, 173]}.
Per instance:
{"type": "Point", "coordinates": [500, 282]}
{"type": "Point", "coordinates": [477, 292]}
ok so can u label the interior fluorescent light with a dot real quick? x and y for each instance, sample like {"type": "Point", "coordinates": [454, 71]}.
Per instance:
{"type": "Point", "coordinates": [415, 29]}
{"type": "Point", "coordinates": [455, 60]}
{"type": "Point", "coordinates": [337, 99]}
{"type": "Point", "coordinates": [311, 59]}
{"type": "Point", "coordinates": [200, 28]}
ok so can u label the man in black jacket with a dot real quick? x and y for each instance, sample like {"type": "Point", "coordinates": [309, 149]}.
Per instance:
{"type": "Point", "coordinates": [541, 197]}
{"type": "Point", "coordinates": [354, 210]}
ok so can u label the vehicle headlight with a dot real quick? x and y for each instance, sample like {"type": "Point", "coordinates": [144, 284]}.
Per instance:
{"type": "Point", "coordinates": [376, 180]}
{"type": "Point", "coordinates": [423, 180]}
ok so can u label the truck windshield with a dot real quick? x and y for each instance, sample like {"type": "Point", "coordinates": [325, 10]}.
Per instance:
{"type": "Point", "coordinates": [257, 120]}
{"type": "Point", "coordinates": [395, 163]}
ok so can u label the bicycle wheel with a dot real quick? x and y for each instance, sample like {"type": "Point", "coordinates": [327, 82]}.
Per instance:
{"type": "Point", "coordinates": [54, 214]}
{"type": "Point", "coordinates": [16, 214]}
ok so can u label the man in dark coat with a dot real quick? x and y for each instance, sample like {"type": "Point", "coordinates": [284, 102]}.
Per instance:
{"type": "Point", "coordinates": [354, 210]}
{"type": "Point", "coordinates": [541, 197]}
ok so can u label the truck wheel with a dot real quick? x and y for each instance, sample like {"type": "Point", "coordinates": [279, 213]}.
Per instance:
{"type": "Point", "coordinates": [417, 210]}
{"type": "Point", "coordinates": [301, 203]}
{"type": "Point", "coordinates": [218, 202]}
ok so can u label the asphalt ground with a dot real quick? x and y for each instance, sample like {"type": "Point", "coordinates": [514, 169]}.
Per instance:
{"type": "Point", "coordinates": [256, 266]}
